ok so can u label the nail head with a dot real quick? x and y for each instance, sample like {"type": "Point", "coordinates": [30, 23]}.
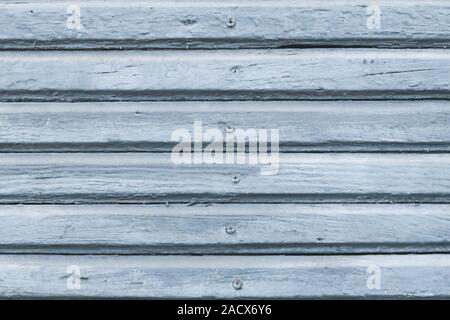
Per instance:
{"type": "Point", "coordinates": [231, 23]}
{"type": "Point", "coordinates": [230, 229]}
{"type": "Point", "coordinates": [237, 284]}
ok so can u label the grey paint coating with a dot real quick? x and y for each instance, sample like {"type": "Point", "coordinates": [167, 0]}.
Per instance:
{"type": "Point", "coordinates": [206, 24]}
{"type": "Point", "coordinates": [402, 276]}
{"type": "Point", "coordinates": [305, 126]}
{"type": "Point", "coordinates": [153, 177]}
{"type": "Point", "coordinates": [225, 229]}
{"type": "Point", "coordinates": [138, 208]}
{"type": "Point", "coordinates": [219, 74]}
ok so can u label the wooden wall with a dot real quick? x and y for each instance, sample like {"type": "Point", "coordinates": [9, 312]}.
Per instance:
{"type": "Point", "coordinates": [92, 204]}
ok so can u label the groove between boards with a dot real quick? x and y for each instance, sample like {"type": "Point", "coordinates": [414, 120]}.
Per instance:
{"type": "Point", "coordinates": [222, 44]}
{"type": "Point", "coordinates": [228, 95]}
{"type": "Point", "coordinates": [275, 249]}
{"type": "Point", "coordinates": [237, 198]}
{"type": "Point", "coordinates": [162, 147]}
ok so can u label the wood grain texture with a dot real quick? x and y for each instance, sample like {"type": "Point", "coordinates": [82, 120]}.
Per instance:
{"type": "Point", "coordinates": [225, 229]}
{"type": "Point", "coordinates": [90, 184]}
{"type": "Point", "coordinates": [205, 24]}
{"type": "Point", "coordinates": [148, 178]}
{"type": "Point", "coordinates": [317, 126]}
{"type": "Point", "coordinates": [401, 276]}
{"type": "Point", "coordinates": [218, 74]}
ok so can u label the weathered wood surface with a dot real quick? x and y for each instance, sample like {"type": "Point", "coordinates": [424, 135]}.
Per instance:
{"type": "Point", "coordinates": [240, 74]}
{"type": "Point", "coordinates": [225, 229]}
{"type": "Point", "coordinates": [223, 24]}
{"type": "Point", "coordinates": [400, 276]}
{"type": "Point", "coordinates": [75, 195]}
{"type": "Point", "coordinates": [147, 178]}
{"type": "Point", "coordinates": [319, 126]}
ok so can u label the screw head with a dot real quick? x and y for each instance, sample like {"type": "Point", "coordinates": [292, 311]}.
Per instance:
{"type": "Point", "coordinates": [231, 22]}
{"type": "Point", "coordinates": [237, 284]}
{"type": "Point", "coordinates": [230, 229]}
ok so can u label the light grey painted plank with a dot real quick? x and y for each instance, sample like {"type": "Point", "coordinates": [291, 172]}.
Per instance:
{"type": "Point", "coordinates": [218, 74]}
{"type": "Point", "coordinates": [219, 229]}
{"type": "Point", "coordinates": [395, 126]}
{"type": "Point", "coordinates": [206, 24]}
{"type": "Point", "coordinates": [400, 276]}
{"type": "Point", "coordinates": [146, 178]}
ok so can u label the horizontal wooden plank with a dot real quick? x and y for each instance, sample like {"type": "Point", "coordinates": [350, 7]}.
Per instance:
{"type": "Point", "coordinates": [225, 229]}
{"type": "Point", "coordinates": [392, 276]}
{"type": "Point", "coordinates": [148, 178]}
{"type": "Point", "coordinates": [318, 126]}
{"type": "Point", "coordinates": [223, 24]}
{"type": "Point", "coordinates": [218, 74]}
